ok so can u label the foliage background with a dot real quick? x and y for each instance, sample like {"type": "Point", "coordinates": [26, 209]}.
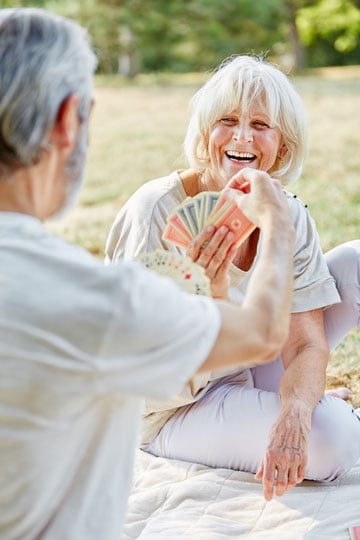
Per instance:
{"type": "Point", "coordinates": [135, 36]}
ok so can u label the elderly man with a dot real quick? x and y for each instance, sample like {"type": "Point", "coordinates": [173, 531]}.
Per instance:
{"type": "Point", "coordinates": [82, 344]}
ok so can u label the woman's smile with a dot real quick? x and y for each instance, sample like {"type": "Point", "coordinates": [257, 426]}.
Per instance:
{"type": "Point", "coordinates": [244, 158]}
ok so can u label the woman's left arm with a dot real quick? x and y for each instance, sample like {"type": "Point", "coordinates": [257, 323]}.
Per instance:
{"type": "Point", "coordinates": [305, 358]}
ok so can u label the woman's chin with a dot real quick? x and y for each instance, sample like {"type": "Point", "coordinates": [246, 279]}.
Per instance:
{"type": "Point", "coordinates": [236, 167]}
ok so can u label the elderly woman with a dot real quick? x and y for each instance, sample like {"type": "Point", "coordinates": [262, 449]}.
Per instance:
{"type": "Point", "coordinates": [272, 420]}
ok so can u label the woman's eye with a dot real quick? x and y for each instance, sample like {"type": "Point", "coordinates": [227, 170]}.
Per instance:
{"type": "Point", "coordinates": [260, 124]}
{"type": "Point", "coordinates": [229, 121]}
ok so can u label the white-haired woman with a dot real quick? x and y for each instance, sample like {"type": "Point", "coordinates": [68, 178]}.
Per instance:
{"type": "Point", "coordinates": [272, 420]}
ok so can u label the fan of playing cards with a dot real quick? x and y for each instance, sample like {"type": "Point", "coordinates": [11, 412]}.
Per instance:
{"type": "Point", "coordinates": [187, 274]}
{"type": "Point", "coordinates": [206, 208]}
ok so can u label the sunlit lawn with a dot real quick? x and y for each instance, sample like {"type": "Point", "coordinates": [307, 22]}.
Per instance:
{"type": "Point", "coordinates": [136, 135]}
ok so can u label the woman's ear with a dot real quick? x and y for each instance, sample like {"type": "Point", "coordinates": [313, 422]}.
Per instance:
{"type": "Point", "coordinates": [64, 132]}
{"type": "Point", "coordinates": [282, 151]}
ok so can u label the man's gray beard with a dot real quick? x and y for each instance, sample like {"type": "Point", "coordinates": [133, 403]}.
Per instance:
{"type": "Point", "coordinates": [74, 173]}
{"type": "Point", "coordinates": [72, 197]}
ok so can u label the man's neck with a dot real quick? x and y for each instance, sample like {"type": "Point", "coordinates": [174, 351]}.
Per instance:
{"type": "Point", "coordinates": [30, 190]}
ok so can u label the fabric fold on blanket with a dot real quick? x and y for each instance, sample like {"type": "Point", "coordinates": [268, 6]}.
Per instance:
{"type": "Point", "coordinates": [173, 500]}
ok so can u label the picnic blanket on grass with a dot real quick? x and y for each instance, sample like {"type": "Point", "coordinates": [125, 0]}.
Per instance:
{"type": "Point", "coordinates": [174, 500]}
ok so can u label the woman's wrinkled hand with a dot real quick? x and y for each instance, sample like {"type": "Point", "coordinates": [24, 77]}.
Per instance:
{"type": "Point", "coordinates": [286, 455]}
{"type": "Point", "coordinates": [214, 251]}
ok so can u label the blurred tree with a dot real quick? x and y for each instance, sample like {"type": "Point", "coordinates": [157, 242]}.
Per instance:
{"type": "Point", "coordinates": [186, 35]}
{"type": "Point", "coordinates": [157, 27]}
{"type": "Point", "coordinates": [218, 29]}
{"type": "Point", "coordinates": [331, 30]}
{"type": "Point", "coordinates": [287, 12]}
{"type": "Point", "coordinates": [22, 3]}
{"type": "Point", "coordinates": [174, 35]}
{"type": "Point", "coordinates": [102, 19]}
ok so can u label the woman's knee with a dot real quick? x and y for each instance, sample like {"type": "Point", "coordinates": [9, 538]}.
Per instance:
{"type": "Point", "coordinates": [227, 428]}
{"type": "Point", "coordinates": [344, 265]}
{"type": "Point", "coordinates": [334, 440]}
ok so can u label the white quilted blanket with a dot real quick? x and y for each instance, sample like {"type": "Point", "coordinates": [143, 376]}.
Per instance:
{"type": "Point", "coordinates": [177, 500]}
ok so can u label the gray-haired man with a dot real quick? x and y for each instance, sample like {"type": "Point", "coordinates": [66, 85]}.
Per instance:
{"type": "Point", "coordinates": [82, 344]}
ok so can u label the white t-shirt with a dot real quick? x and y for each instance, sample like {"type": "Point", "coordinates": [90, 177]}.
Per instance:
{"type": "Point", "coordinates": [141, 222]}
{"type": "Point", "coordinates": [138, 228]}
{"type": "Point", "coordinates": [81, 345]}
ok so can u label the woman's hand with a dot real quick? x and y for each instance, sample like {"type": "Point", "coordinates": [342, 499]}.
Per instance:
{"type": "Point", "coordinates": [214, 251]}
{"type": "Point", "coordinates": [286, 454]}
{"type": "Point", "coordinates": [305, 358]}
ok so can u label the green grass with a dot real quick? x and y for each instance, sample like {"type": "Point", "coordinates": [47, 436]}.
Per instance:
{"type": "Point", "coordinates": [136, 134]}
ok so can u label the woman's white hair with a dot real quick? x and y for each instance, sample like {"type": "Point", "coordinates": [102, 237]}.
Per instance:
{"type": "Point", "coordinates": [44, 58]}
{"type": "Point", "coordinates": [238, 82]}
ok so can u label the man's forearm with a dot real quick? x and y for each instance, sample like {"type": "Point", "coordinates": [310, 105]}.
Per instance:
{"type": "Point", "coordinates": [255, 332]}
{"type": "Point", "coordinates": [274, 271]}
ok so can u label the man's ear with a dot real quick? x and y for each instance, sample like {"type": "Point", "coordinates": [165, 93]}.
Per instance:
{"type": "Point", "coordinates": [66, 126]}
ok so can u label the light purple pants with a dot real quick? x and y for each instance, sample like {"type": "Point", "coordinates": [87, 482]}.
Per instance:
{"type": "Point", "coordinates": [229, 426]}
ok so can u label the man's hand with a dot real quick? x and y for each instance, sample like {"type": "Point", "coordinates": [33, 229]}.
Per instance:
{"type": "Point", "coordinates": [259, 196]}
{"type": "Point", "coordinates": [286, 455]}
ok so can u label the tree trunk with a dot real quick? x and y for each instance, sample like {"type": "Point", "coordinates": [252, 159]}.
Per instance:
{"type": "Point", "coordinates": [298, 47]}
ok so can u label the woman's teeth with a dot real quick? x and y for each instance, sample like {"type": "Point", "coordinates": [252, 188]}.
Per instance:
{"type": "Point", "coordinates": [241, 156]}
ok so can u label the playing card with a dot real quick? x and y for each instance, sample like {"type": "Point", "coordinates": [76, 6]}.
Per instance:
{"type": "Point", "coordinates": [179, 221]}
{"type": "Point", "coordinates": [172, 235]}
{"type": "Point", "coordinates": [232, 217]}
{"type": "Point", "coordinates": [212, 198]}
{"type": "Point", "coordinates": [184, 218]}
{"type": "Point", "coordinates": [355, 532]}
{"type": "Point", "coordinates": [206, 208]}
{"type": "Point", "coordinates": [192, 217]}
{"type": "Point", "coordinates": [222, 205]}
{"type": "Point", "coordinates": [198, 208]}
{"type": "Point", "coordinates": [188, 275]}
{"type": "Point", "coordinates": [201, 204]}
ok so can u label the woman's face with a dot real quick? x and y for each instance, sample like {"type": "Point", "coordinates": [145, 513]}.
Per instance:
{"type": "Point", "coordinates": [243, 139]}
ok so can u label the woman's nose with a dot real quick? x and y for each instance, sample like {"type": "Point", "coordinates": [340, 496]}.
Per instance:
{"type": "Point", "coordinates": [243, 133]}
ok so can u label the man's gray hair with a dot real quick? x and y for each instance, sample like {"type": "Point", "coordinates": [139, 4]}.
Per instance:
{"type": "Point", "coordinates": [44, 58]}
{"type": "Point", "coordinates": [239, 82]}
